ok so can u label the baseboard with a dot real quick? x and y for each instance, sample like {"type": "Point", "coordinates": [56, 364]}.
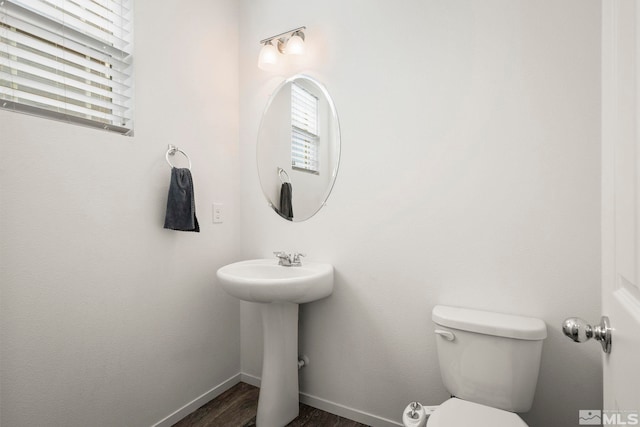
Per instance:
{"type": "Point", "coordinates": [198, 402]}
{"type": "Point", "coordinates": [346, 412]}
{"type": "Point", "coordinates": [250, 379]}
{"type": "Point", "coordinates": [332, 407]}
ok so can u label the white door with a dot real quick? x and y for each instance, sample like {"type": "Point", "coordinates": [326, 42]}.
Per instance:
{"type": "Point", "coordinates": [621, 207]}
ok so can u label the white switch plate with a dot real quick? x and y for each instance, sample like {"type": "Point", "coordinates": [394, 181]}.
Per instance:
{"type": "Point", "coordinates": [218, 209]}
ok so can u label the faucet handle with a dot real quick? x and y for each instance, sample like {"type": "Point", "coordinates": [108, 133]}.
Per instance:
{"type": "Point", "coordinates": [297, 255]}
{"type": "Point", "coordinates": [283, 258]}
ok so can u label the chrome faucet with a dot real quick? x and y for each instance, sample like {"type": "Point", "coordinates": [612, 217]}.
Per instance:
{"type": "Point", "coordinates": [288, 260]}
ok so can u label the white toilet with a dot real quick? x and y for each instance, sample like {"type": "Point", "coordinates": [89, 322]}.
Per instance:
{"type": "Point", "coordinates": [490, 363]}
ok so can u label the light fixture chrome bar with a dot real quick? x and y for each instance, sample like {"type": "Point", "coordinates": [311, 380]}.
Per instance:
{"type": "Point", "coordinates": [268, 39]}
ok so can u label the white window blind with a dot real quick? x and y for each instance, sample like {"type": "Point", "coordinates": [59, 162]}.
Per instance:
{"type": "Point", "coordinates": [304, 129]}
{"type": "Point", "coordinates": [68, 59]}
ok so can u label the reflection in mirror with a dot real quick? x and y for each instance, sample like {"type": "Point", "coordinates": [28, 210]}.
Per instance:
{"type": "Point", "coordinates": [298, 148]}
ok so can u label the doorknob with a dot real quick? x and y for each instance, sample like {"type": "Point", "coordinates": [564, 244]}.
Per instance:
{"type": "Point", "coordinates": [580, 331]}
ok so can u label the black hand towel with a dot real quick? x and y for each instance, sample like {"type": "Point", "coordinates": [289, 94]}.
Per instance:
{"type": "Point", "coordinates": [286, 205]}
{"type": "Point", "coordinates": [181, 205]}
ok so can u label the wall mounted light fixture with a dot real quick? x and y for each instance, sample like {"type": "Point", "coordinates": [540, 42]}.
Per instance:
{"type": "Point", "coordinates": [290, 43]}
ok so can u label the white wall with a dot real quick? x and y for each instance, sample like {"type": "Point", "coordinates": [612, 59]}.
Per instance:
{"type": "Point", "coordinates": [107, 318]}
{"type": "Point", "coordinates": [469, 176]}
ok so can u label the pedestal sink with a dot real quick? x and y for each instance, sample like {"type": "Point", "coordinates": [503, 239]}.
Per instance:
{"type": "Point", "coordinates": [279, 289]}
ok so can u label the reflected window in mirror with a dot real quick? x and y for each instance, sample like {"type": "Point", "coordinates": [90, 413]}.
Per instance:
{"type": "Point", "coordinates": [304, 130]}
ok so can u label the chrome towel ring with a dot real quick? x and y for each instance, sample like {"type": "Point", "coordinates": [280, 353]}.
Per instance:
{"type": "Point", "coordinates": [171, 151]}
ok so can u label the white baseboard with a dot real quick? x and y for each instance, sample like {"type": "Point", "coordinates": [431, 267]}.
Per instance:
{"type": "Point", "coordinates": [250, 379]}
{"type": "Point", "coordinates": [332, 407]}
{"type": "Point", "coordinates": [346, 412]}
{"type": "Point", "coordinates": [179, 414]}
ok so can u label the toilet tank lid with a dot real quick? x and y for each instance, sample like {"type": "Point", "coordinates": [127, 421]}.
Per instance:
{"type": "Point", "coordinates": [490, 323]}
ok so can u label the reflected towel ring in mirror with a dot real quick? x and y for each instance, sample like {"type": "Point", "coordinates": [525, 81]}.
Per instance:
{"type": "Point", "coordinates": [283, 172]}
{"type": "Point", "coordinates": [171, 151]}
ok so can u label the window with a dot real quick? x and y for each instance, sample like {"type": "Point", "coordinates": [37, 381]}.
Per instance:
{"type": "Point", "coordinates": [68, 60]}
{"type": "Point", "coordinates": [304, 130]}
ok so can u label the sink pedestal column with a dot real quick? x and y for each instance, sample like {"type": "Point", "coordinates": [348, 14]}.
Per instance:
{"type": "Point", "coordinates": [278, 402]}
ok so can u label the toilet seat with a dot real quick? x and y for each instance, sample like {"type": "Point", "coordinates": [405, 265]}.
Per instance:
{"type": "Point", "coordinates": [460, 413]}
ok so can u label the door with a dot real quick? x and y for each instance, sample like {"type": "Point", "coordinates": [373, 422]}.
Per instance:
{"type": "Point", "coordinates": [621, 208]}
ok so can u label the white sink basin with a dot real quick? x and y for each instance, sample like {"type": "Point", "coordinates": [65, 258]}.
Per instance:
{"type": "Point", "coordinates": [279, 289]}
{"type": "Point", "coordinates": [263, 280]}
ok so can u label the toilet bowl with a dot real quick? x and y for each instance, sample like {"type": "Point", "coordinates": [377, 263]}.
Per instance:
{"type": "Point", "coordinates": [460, 413]}
{"type": "Point", "coordinates": [489, 363]}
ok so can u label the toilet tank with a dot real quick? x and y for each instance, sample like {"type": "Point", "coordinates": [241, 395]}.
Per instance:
{"type": "Point", "coordinates": [489, 358]}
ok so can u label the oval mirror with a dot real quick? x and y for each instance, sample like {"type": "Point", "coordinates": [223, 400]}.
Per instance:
{"type": "Point", "coordinates": [298, 148]}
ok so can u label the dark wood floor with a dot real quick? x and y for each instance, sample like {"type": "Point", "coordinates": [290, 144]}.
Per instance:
{"type": "Point", "coordinates": [237, 407]}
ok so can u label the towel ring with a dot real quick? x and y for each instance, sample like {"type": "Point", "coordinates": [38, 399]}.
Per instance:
{"type": "Point", "coordinates": [282, 171]}
{"type": "Point", "coordinates": [171, 151]}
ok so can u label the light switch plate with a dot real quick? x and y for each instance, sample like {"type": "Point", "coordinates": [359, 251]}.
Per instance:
{"type": "Point", "coordinates": [218, 209]}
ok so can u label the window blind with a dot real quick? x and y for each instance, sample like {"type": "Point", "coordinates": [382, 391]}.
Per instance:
{"type": "Point", "coordinates": [69, 60]}
{"type": "Point", "coordinates": [304, 129]}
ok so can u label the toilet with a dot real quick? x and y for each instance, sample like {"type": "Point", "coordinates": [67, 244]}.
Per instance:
{"type": "Point", "coordinates": [489, 363]}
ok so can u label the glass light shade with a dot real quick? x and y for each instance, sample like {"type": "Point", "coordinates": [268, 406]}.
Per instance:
{"type": "Point", "coordinates": [295, 45]}
{"type": "Point", "coordinates": [268, 57]}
